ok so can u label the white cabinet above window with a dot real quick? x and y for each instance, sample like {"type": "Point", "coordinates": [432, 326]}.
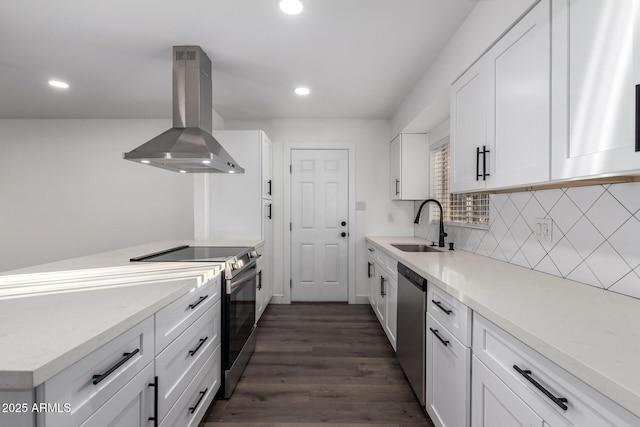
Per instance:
{"type": "Point", "coordinates": [500, 110]}
{"type": "Point", "coordinates": [409, 167]}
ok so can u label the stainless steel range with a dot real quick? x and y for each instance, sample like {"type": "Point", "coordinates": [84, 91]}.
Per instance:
{"type": "Point", "coordinates": [238, 301]}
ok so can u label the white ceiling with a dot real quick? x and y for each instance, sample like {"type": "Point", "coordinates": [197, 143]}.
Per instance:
{"type": "Point", "coordinates": [359, 57]}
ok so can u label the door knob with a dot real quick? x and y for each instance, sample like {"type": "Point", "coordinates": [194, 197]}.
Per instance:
{"type": "Point", "coordinates": [343, 234]}
{"type": "Point", "coordinates": [343, 223]}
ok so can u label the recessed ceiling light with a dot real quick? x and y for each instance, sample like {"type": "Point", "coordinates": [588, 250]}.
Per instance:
{"type": "Point", "coordinates": [302, 91]}
{"type": "Point", "coordinates": [146, 162]}
{"type": "Point", "coordinates": [59, 84]}
{"type": "Point", "coordinates": [183, 171]}
{"type": "Point", "coordinates": [291, 7]}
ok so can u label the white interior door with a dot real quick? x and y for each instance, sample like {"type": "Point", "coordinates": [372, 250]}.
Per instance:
{"type": "Point", "coordinates": [319, 225]}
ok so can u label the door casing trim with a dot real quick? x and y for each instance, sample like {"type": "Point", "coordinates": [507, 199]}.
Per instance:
{"type": "Point", "coordinates": [351, 149]}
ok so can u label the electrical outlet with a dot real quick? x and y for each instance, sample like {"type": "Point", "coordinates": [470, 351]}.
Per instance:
{"type": "Point", "coordinates": [542, 229]}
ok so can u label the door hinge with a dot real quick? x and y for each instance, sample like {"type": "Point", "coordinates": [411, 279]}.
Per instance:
{"type": "Point", "coordinates": [290, 283]}
{"type": "Point", "coordinates": [290, 226]}
{"type": "Point", "coordinates": [290, 168]}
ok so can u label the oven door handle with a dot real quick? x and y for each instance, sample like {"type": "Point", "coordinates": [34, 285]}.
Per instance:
{"type": "Point", "coordinates": [235, 283]}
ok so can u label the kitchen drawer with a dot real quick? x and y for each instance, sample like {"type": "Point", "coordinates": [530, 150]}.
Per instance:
{"type": "Point", "coordinates": [192, 404]}
{"type": "Point", "coordinates": [175, 318]}
{"type": "Point", "coordinates": [132, 406]}
{"type": "Point", "coordinates": [392, 267]}
{"type": "Point", "coordinates": [75, 385]}
{"type": "Point", "coordinates": [454, 315]}
{"type": "Point", "coordinates": [180, 361]}
{"type": "Point", "coordinates": [502, 353]}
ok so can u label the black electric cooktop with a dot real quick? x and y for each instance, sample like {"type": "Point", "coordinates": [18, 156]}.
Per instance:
{"type": "Point", "coordinates": [193, 254]}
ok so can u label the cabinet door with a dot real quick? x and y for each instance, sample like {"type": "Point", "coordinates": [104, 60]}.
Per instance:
{"type": "Point", "coordinates": [132, 406]}
{"type": "Point", "coordinates": [448, 377]}
{"type": "Point", "coordinates": [395, 156]}
{"type": "Point", "coordinates": [391, 310]}
{"type": "Point", "coordinates": [494, 404]}
{"type": "Point", "coordinates": [267, 166]}
{"type": "Point", "coordinates": [267, 249]}
{"type": "Point", "coordinates": [469, 108]}
{"type": "Point", "coordinates": [381, 285]}
{"type": "Point", "coordinates": [593, 96]}
{"type": "Point", "coordinates": [519, 122]}
{"type": "Point", "coordinates": [260, 289]}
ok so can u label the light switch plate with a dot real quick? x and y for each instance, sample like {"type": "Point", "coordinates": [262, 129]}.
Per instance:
{"type": "Point", "coordinates": [542, 229]}
{"type": "Point", "coordinates": [361, 205]}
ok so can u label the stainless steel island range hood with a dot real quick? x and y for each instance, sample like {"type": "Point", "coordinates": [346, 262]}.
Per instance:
{"type": "Point", "coordinates": [188, 147]}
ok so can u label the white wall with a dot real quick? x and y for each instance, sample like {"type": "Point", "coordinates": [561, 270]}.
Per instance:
{"type": "Point", "coordinates": [428, 102]}
{"type": "Point", "coordinates": [371, 138]}
{"type": "Point", "coordinates": [65, 190]}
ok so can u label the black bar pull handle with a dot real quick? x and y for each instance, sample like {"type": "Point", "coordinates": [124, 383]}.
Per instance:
{"type": "Point", "coordinates": [195, 350]}
{"type": "Point", "coordinates": [125, 356]}
{"type": "Point", "coordinates": [442, 340]}
{"type": "Point", "coordinates": [269, 215]}
{"type": "Point", "coordinates": [478, 164]}
{"type": "Point", "coordinates": [269, 186]}
{"type": "Point", "coordinates": [382, 292]}
{"type": "Point", "coordinates": [154, 384]}
{"type": "Point", "coordinates": [197, 303]}
{"type": "Point", "coordinates": [202, 394]}
{"type": "Point", "coordinates": [441, 307]}
{"type": "Point", "coordinates": [560, 401]}
{"type": "Point", "coordinates": [368, 269]}
{"type": "Point", "coordinates": [397, 187]}
{"type": "Point", "coordinates": [259, 279]}
{"type": "Point", "coordinates": [484, 162]}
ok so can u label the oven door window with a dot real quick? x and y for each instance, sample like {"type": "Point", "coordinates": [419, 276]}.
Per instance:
{"type": "Point", "coordinates": [242, 315]}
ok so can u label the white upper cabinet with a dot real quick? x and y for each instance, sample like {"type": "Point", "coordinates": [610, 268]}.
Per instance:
{"type": "Point", "coordinates": [267, 168]}
{"type": "Point", "coordinates": [500, 110]}
{"type": "Point", "coordinates": [594, 89]}
{"type": "Point", "coordinates": [469, 136]}
{"type": "Point", "coordinates": [409, 167]}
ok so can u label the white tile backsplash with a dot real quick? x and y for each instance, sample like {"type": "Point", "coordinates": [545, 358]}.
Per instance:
{"type": "Point", "coordinates": [595, 239]}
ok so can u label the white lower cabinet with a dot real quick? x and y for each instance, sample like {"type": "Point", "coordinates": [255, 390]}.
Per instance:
{"type": "Point", "coordinates": [448, 377]}
{"type": "Point", "coordinates": [132, 406]}
{"type": "Point", "coordinates": [177, 351]}
{"type": "Point", "coordinates": [194, 401]}
{"type": "Point", "coordinates": [178, 364]}
{"type": "Point", "coordinates": [382, 291]}
{"type": "Point", "coordinates": [551, 393]}
{"type": "Point", "coordinates": [89, 383]}
{"type": "Point", "coordinates": [494, 404]}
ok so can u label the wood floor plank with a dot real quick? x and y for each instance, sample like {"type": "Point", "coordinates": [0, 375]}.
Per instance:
{"type": "Point", "coordinates": [320, 365]}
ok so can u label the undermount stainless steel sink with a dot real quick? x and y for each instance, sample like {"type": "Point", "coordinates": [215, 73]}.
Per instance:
{"type": "Point", "coordinates": [415, 248]}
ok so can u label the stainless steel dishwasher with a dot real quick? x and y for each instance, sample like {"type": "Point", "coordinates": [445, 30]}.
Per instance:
{"type": "Point", "coordinates": [410, 343]}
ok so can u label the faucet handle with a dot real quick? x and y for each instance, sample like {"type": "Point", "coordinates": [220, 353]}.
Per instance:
{"type": "Point", "coordinates": [433, 243]}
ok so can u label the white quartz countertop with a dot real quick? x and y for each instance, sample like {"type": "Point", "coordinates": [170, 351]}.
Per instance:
{"type": "Point", "coordinates": [52, 315]}
{"type": "Point", "coordinates": [592, 333]}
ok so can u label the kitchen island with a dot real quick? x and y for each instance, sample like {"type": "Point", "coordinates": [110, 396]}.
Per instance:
{"type": "Point", "coordinates": [588, 332]}
{"type": "Point", "coordinates": [55, 316]}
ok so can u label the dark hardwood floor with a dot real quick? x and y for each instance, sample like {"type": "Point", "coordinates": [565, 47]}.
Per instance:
{"type": "Point", "coordinates": [320, 365]}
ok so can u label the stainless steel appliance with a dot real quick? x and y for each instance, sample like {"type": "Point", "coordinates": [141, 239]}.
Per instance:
{"type": "Point", "coordinates": [238, 302]}
{"type": "Point", "coordinates": [188, 147]}
{"type": "Point", "coordinates": [410, 336]}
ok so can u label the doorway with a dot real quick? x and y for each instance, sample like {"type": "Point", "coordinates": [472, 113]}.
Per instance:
{"type": "Point", "coordinates": [320, 243]}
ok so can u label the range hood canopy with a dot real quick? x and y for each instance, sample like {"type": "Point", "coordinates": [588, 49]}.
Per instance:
{"type": "Point", "coordinates": [188, 147]}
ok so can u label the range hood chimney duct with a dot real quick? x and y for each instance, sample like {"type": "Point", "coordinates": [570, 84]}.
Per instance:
{"type": "Point", "coordinates": [188, 147]}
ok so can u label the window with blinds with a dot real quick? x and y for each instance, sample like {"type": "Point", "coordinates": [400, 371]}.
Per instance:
{"type": "Point", "coordinates": [458, 208]}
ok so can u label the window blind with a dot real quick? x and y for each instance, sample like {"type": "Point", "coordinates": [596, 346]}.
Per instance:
{"type": "Point", "coordinates": [458, 208]}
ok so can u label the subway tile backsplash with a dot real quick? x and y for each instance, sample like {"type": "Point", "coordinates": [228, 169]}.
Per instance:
{"type": "Point", "coordinates": [595, 236]}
